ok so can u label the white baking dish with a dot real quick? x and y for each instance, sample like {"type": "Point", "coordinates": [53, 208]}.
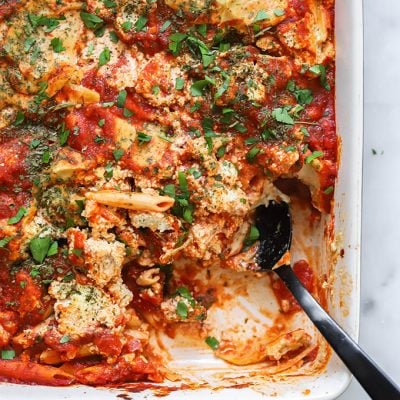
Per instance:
{"type": "Point", "coordinates": [344, 301]}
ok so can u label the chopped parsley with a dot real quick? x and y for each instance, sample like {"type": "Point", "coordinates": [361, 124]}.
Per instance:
{"type": "Point", "coordinates": [28, 43]}
{"type": "Point", "coordinates": [282, 115]}
{"type": "Point", "coordinates": [18, 216]}
{"type": "Point", "coordinates": [126, 26]}
{"type": "Point", "coordinates": [118, 153]}
{"type": "Point", "coordinates": [143, 138]}
{"type": "Point", "coordinates": [207, 55]}
{"type": "Point", "coordinates": [320, 71]}
{"type": "Point", "coordinates": [183, 207]}
{"type": "Point", "coordinates": [290, 149]}
{"type": "Point", "coordinates": [251, 140]}
{"type": "Point", "coordinates": [252, 154]}
{"type": "Point", "coordinates": [165, 26]}
{"type": "Point", "coordinates": [169, 190]}
{"type": "Point", "coordinates": [202, 29]}
{"type": "Point", "coordinates": [185, 293]}
{"type": "Point", "coordinates": [77, 252]}
{"type": "Point", "coordinates": [175, 42]}
{"type": "Point", "coordinates": [46, 156]}
{"type": "Point", "coordinates": [303, 96]}
{"type": "Point", "coordinates": [304, 131]}
{"type": "Point", "coordinates": [57, 45]}
{"type": "Point", "coordinates": [313, 156]}
{"type": "Point", "coordinates": [63, 136]}
{"type": "Point", "coordinates": [4, 242]}
{"type": "Point", "coordinates": [261, 16]}
{"type": "Point", "coordinates": [140, 24]}
{"type": "Point", "coordinates": [182, 309]}
{"type": "Point", "coordinates": [65, 339]}
{"type": "Point", "coordinates": [91, 21]}
{"type": "Point", "coordinates": [53, 249]}
{"type": "Point", "coordinates": [7, 354]}
{"type": "Point", "coordinates": [127, 113]}
{"type": "Point", "coordinates": [35, 143]}
{"type": "Point", "coordinates": [223, 88]}
{"type": "Point", "coordinates": [268, 134]}
{"type": "Point", "coordinates": [197, 88]}
{"type": "Point", "coordinates": [105, 57]}
{"type": "Point", "coordinates": [221, 151]}
{"type": "Point", "coordinates": [195, 172]}
{"type": "Point", "coordinates": [179, 83]}
{"type": "Point", "coordinates": [121, 98]}
{"type": "Point", "coordinates": [110, 3]}
{"type": "Point", "coordinates": [252, 236]}
{"type": "Point", "coordinates": [212, 342]}
{"type": "Point", "coordinates": [41, 21]}
{"type": "Point", "coordinates": [19, 118]}
{"type": "Point", "coordinates": [155, 90]}
{"type": "Point", "coordinates": [279, 12]}
{"type": "Point", "coordinates": [114, 37]}
{"type": "Point", "coordinates": [195, 107]}
{"type": "Point", "coordinates": [41, 247]}
{"type": "Point", "coordinates": [108, 171]}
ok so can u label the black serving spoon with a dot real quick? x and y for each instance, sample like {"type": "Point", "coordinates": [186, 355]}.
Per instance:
{"type": "Point", "coordinates": [275, 227]}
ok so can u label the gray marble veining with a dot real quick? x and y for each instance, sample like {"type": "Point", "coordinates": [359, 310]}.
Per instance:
{"type": "Point", "coordinates": [380, 266]}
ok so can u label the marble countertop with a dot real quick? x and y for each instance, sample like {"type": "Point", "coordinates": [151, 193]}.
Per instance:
{"type": "Point", "coordinates": [380, 265]}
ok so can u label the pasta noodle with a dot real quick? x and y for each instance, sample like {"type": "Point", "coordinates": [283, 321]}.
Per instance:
{"type": "Point", "coordinates": [32, 372]}
{"type": "Point", "coordinates": [132, 201]}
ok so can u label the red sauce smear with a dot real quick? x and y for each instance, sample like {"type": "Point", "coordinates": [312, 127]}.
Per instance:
{"type": "Point", "coordinates": [286, 300]}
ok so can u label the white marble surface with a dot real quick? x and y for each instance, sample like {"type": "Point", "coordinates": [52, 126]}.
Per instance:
{"type": "Point", "coordinates": [380, 265]}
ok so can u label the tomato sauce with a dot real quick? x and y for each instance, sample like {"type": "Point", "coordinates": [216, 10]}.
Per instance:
{"type": "Point", "coordinates": [285, 298]}
{"type": "Point", "coordinates": [23, 296]}
{"type": "Point", "coordinates": [86, 136]}
{"type": "Point", "coordinates": [141, 299]}
{"type": "Point", "coordinates": [7, 7]}
{"type": "Point", "coordinates": [92, 80]}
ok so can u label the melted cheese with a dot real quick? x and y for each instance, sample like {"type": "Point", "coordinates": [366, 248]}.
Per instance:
{"type": "Point", "coordinates": [35, 57]}
{"type": "Point", "coordinates": [80, 309]}
{"type": "Point", "coordinates": [104, 260]}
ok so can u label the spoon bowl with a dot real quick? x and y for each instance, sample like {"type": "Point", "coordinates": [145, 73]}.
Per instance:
{"type": "Point", "coordinates": [275, 227]}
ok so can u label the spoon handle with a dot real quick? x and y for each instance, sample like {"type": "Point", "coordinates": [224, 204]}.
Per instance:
{"type": "Point", "coordinates": [375, 382]}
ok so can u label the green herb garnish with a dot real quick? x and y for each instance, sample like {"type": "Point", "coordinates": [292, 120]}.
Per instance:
{"type": "Point", "coordinates": [212, 342]}
{"type": "Point", "coordinates": [18, 216]}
